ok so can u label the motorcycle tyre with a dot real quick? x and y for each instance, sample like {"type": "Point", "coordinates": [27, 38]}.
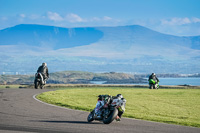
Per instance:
{"type": "Point", "coordinates": [41, 86]}
{"type": "Point", "coordinates": [36, 84]}
{"type": "Point", "coordinates": [90, 119]}
{"type": "Point", "coordinates": [152, 87]}
{"type": "Point", "coordinates": [112, 116]}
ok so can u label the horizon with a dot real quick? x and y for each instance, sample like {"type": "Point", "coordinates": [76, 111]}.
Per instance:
{"type": "Point", "coordinates": [131, 73]}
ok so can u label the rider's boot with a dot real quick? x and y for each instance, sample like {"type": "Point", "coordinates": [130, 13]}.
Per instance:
{"type": "Point", "coordinates": [117, 118]}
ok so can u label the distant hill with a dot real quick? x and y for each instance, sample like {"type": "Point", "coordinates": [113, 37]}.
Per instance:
{"type": "Point", "coordinates": [49, 36]}
{"type": "Point", "coordinates": [74, 77]}
{"type": "Point", "coordinates": [133, 49]}
{"type": "Point", "coordinates": [58, 37]}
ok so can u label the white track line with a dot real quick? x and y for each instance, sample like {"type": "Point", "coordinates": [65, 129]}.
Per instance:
{"type": "Point", "coordinates": [34, 97]}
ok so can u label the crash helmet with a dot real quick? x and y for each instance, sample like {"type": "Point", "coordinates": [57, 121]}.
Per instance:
{"type": "Point", "coordinates": [153, 74]}
{"type": "Point", "coordinates": [119, 95]}
{"type": "Point", "coordinates": [44, 64]}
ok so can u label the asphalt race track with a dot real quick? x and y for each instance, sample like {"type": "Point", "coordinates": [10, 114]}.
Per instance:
{"type": "Point", "coordinates": [21, 113]}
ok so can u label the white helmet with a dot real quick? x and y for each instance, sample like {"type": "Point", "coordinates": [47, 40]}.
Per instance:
{"type": "Point", "coordinates": [44, 64]}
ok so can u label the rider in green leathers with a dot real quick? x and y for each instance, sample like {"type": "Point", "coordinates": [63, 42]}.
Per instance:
{"type": "Point", "coordinates": [153, 79]}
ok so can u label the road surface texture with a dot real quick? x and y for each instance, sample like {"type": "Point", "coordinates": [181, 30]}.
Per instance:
{"type": "Point", "coordinates": [21, 113]}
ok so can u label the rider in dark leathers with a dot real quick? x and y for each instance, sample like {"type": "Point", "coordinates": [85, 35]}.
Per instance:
{"type": "Point", "coordinates": [43, 69]}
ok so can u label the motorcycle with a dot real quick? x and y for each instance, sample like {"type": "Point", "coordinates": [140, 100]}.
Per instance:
{"type": "Point", "coordinates": [109, 112]}
{"type": "Point", "coordinates": [39, 81]}
{"type": "Point", "coordinates": [153, 84]}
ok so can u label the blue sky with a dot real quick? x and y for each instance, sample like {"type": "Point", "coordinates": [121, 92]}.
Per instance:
{"type": "Point", "coordinates": [175, 17]}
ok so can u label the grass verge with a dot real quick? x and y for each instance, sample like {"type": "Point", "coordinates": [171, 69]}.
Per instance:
{"type": "Point", "coordinates": [173, 106]}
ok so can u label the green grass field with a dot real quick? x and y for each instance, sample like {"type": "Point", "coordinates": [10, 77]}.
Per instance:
{"type": "Point", "coordinates": [174, 106]}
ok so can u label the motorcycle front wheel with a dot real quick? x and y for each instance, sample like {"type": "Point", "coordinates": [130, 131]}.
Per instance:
{"type": "Point", "coordinates": [151, 86]}
{"type": "Point", "coordinates": [111, 116]}
{"type": "Point", "coordinates": [90, 116]}
{"type": "Point", "coordinates": [36, 84]}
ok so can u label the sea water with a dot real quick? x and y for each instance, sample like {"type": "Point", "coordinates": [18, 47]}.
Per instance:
{"type": "Point", "coordinates": [180, 81]}
{"type": "Point", "coordinates": [166, 81]}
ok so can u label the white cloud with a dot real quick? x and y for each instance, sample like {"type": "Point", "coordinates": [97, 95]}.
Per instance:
{"type": "Point", "coordinates": [3, 18]}
{"type": "Point", "coordinates": [95, 19]}
{"type": "Point", "coordinates": [107, 18]}
{"type": "Point", "coordinates": [54, 16]}
{"type": "Point", "coordinates": [73, 18]}
{"type": "Point", "coordinates": [22, 15]}
{"type": "Point", "coordinates": [179, 21]}
{"type": "Point", "coordinates": [21, 18]}
{"type": "Point", "coordinates": [34, 17]}
{"type": "Point", "coordinates": [196, 20]}
{"type": "Point", "coordinates": [62, 19]}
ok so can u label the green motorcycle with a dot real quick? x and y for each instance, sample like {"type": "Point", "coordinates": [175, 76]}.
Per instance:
{"type": "Point", "coordinates": [153, 84]}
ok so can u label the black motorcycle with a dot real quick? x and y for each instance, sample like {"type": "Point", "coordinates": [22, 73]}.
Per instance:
{"type": "Point", "coordinates": [109, 112]}
{"type": "Point", "coordinates": [39, 81]}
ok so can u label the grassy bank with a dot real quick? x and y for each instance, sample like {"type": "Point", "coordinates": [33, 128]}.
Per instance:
{"type": "Point", "coordinates": [174, 106]}
{"type": "Point", "coordinates": [57, 86]}
{"type": "Point", "coordinates": [15, 86]}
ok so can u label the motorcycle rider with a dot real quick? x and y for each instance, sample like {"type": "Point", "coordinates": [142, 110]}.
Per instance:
{"type": "Point", "coordinates": [43, 69]}
{"type": "Point", "coordinates": [103, 100]}
{"type": "Point", "coordinates": [153, 77]}
{"type": "Point", "coordinates": [120, 97]}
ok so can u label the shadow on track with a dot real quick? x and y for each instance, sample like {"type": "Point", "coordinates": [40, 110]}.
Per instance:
{"type": "Point", "coordinates": [75, 122]}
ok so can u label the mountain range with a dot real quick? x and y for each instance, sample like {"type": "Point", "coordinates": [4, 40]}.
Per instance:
{"type": "Point", "coordinates": [131, 49]}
